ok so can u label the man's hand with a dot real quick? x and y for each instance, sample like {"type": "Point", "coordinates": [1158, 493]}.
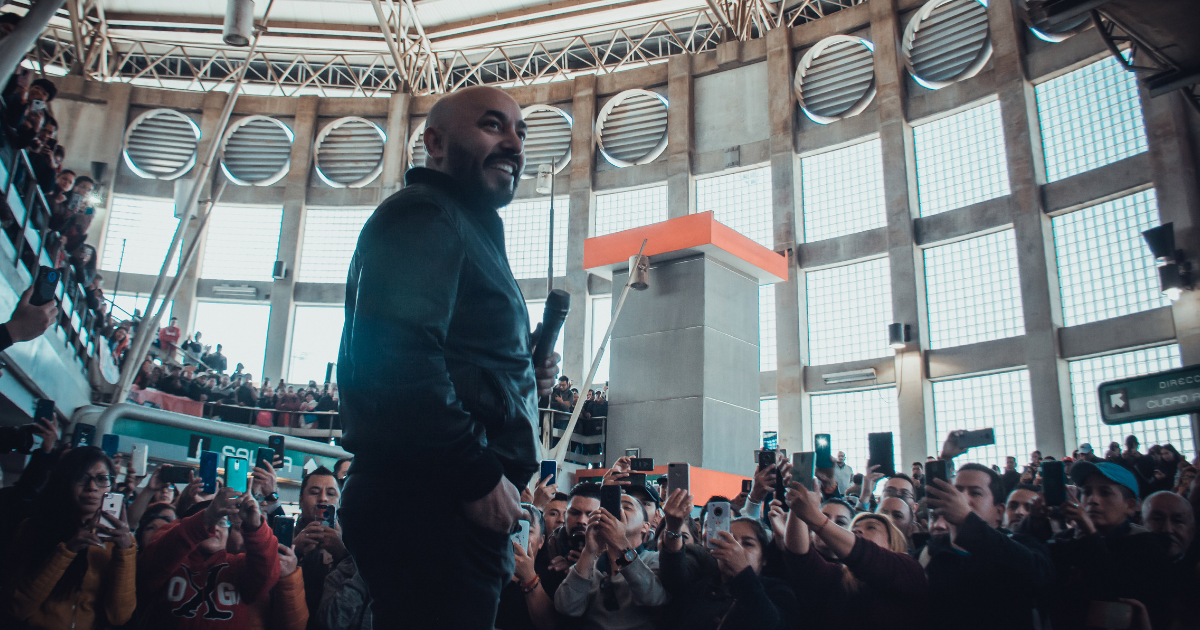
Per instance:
{"type": "Point", "coordinates": [1074, 513]}
{"type": "Point", "coordinates": [251, 515]}
{"type": "Point", "coordinates": [623, 465]}
{"type": "Point", "coordinates": [287, 561]}
{"type": "Point", "coordinates": [547, 372]}
{"type": "Point", "coordinates": [308, 538]}
{"type": "Point", "coordinates": [543, 492]}
{"type": "Point", "coordinates": [730, 555]}
{"type": "Point", "coordinates": [29, 321]}
{"type": "Point", "coordinates": [524, 571]}
{"type": "Point", "coordinates": [498, 510]}
{"type": "Point", "coordinates": [764, 482]}
{"type": "Point", "coordinates": [951, 448]}
{"type": "Point", "coordinates": [263, 481]}
{"type": "Point", "coordinates": [226, 502]}
{"type": "Point", "coordinates": [871, 478]}
{"type": "Point", "coordinates": [778, 520]}
{"type": "Point", "coordinates": [805, 505]}
{"type": "Point", "coordinates": [677, 508]}
{"type": "Point", "coordinates": [948, 501]}
{"type": "Point", "coordinates": [611, 531]}
{"type": "Point", "coordinates": [327, 538]}
{"type": "Point", "coordinates": [46, 429]}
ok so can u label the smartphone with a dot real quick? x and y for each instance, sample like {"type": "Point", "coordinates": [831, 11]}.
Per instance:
{"type": "Point", "coordinates": [678, 477]}
{"type": "Point", "coordinates": [174, 474]}
{"type": "Point", "coordinates": [44, 409]}
{"type": "Point", "coordinates": [276, 442]}
{"type": "Point", "coordinates": [803, 471]}
{"type": "Point", "coordinates": [111, 505]}
{"type": "Point", "coordinates": [1109, 615]}
{"type": "Point", "coordinates": [881, 453]}
{"type": "Point", "coordinates": [765, 458]}
{"type": "Point", "coordinates": [747, 484]}
{"type": "Point", "coordinates": [935, 469]}
{"type": "Point", "coordinates": [636, 479]}
{"type": "Point", "coordinates": [1054, 483]}
{"type": "Point", "coordinates": [644, 464]}
{"type": "Point", "coordinates": [982, 437]}
{"type": "Point", "coordinates": [236, 469]}
{"type": "Point", "coordinates": [285, 529]}
{"type": "Point", "coordinates": [44, 286]}
{"type": "Point", "coordinates": [717, 517]}
{"type": "Point", "coordinates": [328, 515]}
{"type": "Point", "coordinates": [821, 447]}
{"type": "Point", "coordinates": [265, 458]}
{"type": "Point", "coordinates": [208, 471]}
{"type": "Point", "coordinates": [521, 536]}
{"type": "Point", "coordinates": [549, 469]}
{"type": "Point", "coordinates": [138, 456]}
{"type": "Point", "coordinates": [37, 105]}
{"type": "Point", "coordinates": [85, 435]}
{"type": "Point", "coordinates": [110, 443]}
{"type": "Point", "coordinates": [610, 499]}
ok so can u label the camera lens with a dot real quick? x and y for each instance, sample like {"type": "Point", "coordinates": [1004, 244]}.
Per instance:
{"type": "Point", "coordinates": [718, 511]}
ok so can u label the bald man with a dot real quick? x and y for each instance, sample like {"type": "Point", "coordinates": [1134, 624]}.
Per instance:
{"type": "Point", "coordinates": [439, 390]}
{"type": "Point", "coordinates": [1165, 512]}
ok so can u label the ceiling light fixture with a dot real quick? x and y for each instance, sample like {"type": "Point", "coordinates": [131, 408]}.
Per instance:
{"type": "Point", "coordinates": [898, 336]}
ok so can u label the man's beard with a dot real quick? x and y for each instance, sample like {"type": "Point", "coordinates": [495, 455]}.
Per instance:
{"type": "Point", "coordinates": [470, 175]}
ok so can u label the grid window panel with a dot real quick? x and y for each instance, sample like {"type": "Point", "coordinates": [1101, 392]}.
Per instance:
{"type": "Point", "coordinates": [973, 291]}
{"type": "Point", "coordinates": [1086, 376]}
{"type": "Point", "coordinates": [960, 160]}
{"type": "Point", "coordinates": [630, 208]}
{"type": "Point", "coordinates": [997, 401]}
{"type": "Point", "coordinates": [848, 418]}
{"type": "Point", "coordinates": [768, 415]}
{"type": "Point", "coordinates": [741, 201]}
{"type": "Point", "coordinates": [767, 355]}
{"type": "Point", "coordinates": [240, 328]}
{"type": "Point", "coordinates": [1104, 269]}
{"type": "Point", "coordinates": [242, 243]}
{"type": "Point", "coordinates": [124, 304]}
{"type": "Point", "coordinates": [316, 339]}
{"type": "Point", "coordinates": [1089, 118]}
{"type": "Point", "coordinates": [527, 240]}
{"type": "Point", "coordinates": [330, 236]}
{"type": "Point", "coordinates": [843, 191]}
{"type": "Point", "coordinates": [146, 226]}
{"type": "Point", "coordinates": [849, 308]}
{"type": "Point", "coordinates": [537, 308]}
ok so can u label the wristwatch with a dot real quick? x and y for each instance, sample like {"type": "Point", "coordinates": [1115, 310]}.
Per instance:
{"type": "Point", "coordinates": [670, 535]}
{"type": "Point", "coordinates": [627, 557]}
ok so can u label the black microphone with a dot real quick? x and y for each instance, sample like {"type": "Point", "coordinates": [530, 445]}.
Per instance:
{"type": "Point", "coordinates": [558, 304]}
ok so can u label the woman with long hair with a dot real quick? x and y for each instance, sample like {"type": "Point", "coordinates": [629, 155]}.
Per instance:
{"type": "Point", "coordinates": [71, 565]}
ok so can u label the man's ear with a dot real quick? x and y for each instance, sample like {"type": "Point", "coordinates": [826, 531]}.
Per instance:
{"type": "Point", "coordinates": [433, 140]}
{"type": "Point", "coordinates": [999, 512]}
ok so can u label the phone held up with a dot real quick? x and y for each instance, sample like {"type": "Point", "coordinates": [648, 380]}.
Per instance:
{"type": "Point", "coordinates": [678, 477]}
{"type": "Point", "coordinates": [716, 519]}
{"type": "Point", "coordinates": [610, 499]}
{"type": "Point", "coordinates": [45, 286]}
{"type": "Point", "coordinates": [285, 529]}
{"type": "Point", "coordinates": [935, 469]}
{"type": "Point", "coordinates": [549, 469]}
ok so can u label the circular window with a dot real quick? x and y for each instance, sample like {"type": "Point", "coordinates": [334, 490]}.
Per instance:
{"type": "Point", "coordinates": [836, 78]}
{"type": "Point", "coordinates": [632, 128]}
{"type": "Point", "coordinates": [547, 140]}
{"type": "Point", "coordinates": [947, 41]}
{"type": "Point", "coordinates": [161, 144]}
{"type": "Point", "coordinates": [1057, 33]}
{"type": "Point", "coordinates": [349, 152]}
{"type": "Point", "coordinates": [256, 151]}
{"type": "Point", "coordinates": [416, 147]}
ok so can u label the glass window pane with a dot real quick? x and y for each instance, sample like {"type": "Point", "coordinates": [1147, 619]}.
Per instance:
{"type": "Point", "coordinates": [766, 328]}
{"type": "Point", "coordinates": [843, 191]}
{"type": "Point", "coordinates": [630, 208]}
{"type": "Point", "coordinates": [849, 417]}
{"type": "Point", "coordinates": [537, 308]}
{"type": "Point", "coordinates": [741, 201]}
{"type": "Point", "coordinates": [316, 339]}
{"type": "Point", "coordinates": [1090, 117]}
{"type": "Point", "coordinates": [240, 328]}
{"type": "Point", "coordinates": [1104, 268]}
{"type": "Point", "coordinates": [601, 316]}
{"type": "Point", "coordinates": [960, 159]}
{"type": "Point", "coordinates": [146, 226]}
{"type": "Point", "coordinates": [997, 401]}
{"type": "Point", "coordinates": [526, 239]}
{"type": "Point", "coordinates": [1086, 376]}
{"type": "Point", "coordinates": [864, 289]}
{"type": "Point", "coordinates": [973, 291]}
{"type": "Point", "coordinates": [330, 236]}
{"type": "Point", "coordinates": [242, 243]}
{"type": "Point", "coordinates": [768, 415]}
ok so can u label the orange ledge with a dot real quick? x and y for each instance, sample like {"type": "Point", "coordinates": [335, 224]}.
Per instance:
{"type": "Point", "coordinates": [682, 237]}
{"type": "Point", "coordinates": [705, 483]}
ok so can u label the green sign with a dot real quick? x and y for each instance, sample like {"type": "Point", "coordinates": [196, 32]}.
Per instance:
{"type": "Point", "coordinates": [1162, 395]}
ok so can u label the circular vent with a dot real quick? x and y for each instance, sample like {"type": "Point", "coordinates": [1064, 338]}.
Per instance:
{"type": "Point", "coordinates": [632, 128]}
{"type": "Point", "coordinates": [1057, 33]}
{"type": "Point", "coordinates": [349, 152]}
{"type": "Point", "coordinates": [257, 151]}
{"type": "Point", "coordinates": [836, 78]}
{"type": "Point", "coordinates": [548, 139]}
{"type": "Point", "coordinates": [161, 144]}
{"type": "Point", "coordinates": [416, 147]}
{"type": "Point", "coordinates": [947, 41]}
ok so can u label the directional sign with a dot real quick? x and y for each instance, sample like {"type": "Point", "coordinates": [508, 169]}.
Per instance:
{"type": "Point", "coordinates": [1162, 395]}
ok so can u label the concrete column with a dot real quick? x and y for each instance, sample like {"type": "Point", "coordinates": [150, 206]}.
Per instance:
{"type": "Point", "coordinates": [395, 151]}
{"type": "Point", "coordinates": [291, 231]}
{"type": "Point", "coordinates": [916, 438]}
{"type": "Point", "coordinates": [1049, 381]}
{"type": "Point", "coordinates": [680, 124]}
{"type": "Point", "coordinates": [788, 295]}
{"type": "Point", "coordinates": [116, 116]}
{"type": "Point", "coordinates": [576, 361]}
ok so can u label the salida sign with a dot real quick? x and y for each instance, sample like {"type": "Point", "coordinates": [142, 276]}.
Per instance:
{"type": "Point", "coordinates": [1161, 395]}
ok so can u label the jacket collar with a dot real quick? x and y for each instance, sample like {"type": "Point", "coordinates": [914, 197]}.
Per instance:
{"type": "Point", "coordinates": [445, 184]}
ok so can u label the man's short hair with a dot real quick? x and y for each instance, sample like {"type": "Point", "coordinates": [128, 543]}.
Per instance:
{"type": "Point", "coordinates": [585, 489]}
{"type": "Point", "coordinates": [563, 378]}
{"type": "Point", "coordinates": [88, 180]}
{"type": "Point", "coordinates": [320, 470]}
{"type": "Point", "coordinates": [48, 87]}
{"type": "Point", "coordinates": [67, 171]}
{"type": "Point", "coordinates": [560, 496]}
{"type": "Point", "coordinates": [344, 460]}
{"type": "Point", "coordinates": [49, 120]}
{"type": "Point", "coordinates": [839, 501]}
{"type": "Point", "coordinates": [905, 477]}
{"type": "Point", "coordinates": [995, 481]}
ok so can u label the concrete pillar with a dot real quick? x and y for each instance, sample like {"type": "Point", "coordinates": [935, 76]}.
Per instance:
{"type": "Point", "coordinates": [781, 106]}
{"type": "Point", "coordinates": [395, 151]}
{"type": "Point", "coordinates": [680, 124]}
{"type": "Point", "coordinates": [916, 438]}
{"type": "Point", "coordinates": [1049, 381]}
{"type": "Point", "coordinates": [576, 361]}
{"type": "Point", "coordinates": [290, 232]}
{"type": "Point", "coordinates": [22, 38]}
{"type": "Point", "coordinates": [685, 366]}
{"type": "Point", "coordinates": [116, 116]}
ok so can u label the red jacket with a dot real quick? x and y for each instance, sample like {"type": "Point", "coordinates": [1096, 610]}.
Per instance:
{"type": "Point", "coordinates": [185, 589]}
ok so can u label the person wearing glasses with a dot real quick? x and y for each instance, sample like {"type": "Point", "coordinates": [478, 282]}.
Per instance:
{"type": "Point", "coordinates": [71, 565]}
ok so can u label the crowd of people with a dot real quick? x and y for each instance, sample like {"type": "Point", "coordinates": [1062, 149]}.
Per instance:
{"type": "Point", "coordinates": [565, 396]}
{"type": "Point", "coordinates": [978, 549]}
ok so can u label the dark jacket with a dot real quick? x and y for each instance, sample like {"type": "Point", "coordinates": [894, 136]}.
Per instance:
{"type": "Point", "coordinates": [996, 583]}
{"type": "Point", "coordinates": [891, 591]}
{"type": "Point", "coordinates": [700, 599]}
{"type": "Point", "coordinates": [435, 364]}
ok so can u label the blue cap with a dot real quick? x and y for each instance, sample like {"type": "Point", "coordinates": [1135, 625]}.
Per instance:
{"type": "Point", "coordinates": [1115, 472]}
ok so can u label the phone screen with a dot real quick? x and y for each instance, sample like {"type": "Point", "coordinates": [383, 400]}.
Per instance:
{"type": "Point", "coordinates": [549, 469]}
{"type": "Point", "coordinates": [610, 499]}
{"type": "Point", "coordinates": [822, 448]}
{"type": "Point", "coordinates": [208, 471]}
{"type": "Point", "coordinates": [1054, 483]}
{"type": "Point", "coordinates": [264, 456]}
{"type": "Point", "coordinates": [935, 469]}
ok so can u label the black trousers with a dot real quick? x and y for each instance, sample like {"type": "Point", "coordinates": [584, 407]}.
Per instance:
{"type": "Point", "coordinates": [426, 565]}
